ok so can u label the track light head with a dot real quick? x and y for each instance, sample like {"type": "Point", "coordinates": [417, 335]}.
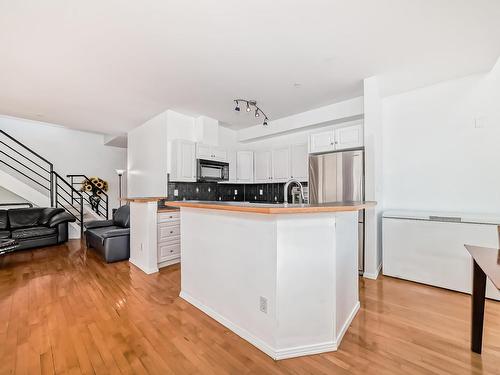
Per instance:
{"type": "Point", "coordinates": [251, 105]}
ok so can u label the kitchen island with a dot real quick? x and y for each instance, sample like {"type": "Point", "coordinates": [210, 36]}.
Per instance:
{"type": "Point", "coordinates": [283, 277]}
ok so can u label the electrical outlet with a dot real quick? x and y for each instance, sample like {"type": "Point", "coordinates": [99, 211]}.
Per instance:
{"type": "Point", "coordinates": [261, 192]}
{"type": "Point", "coordinates": [263, 304]}
{"type": "Point", "coordinates": [209, 190]}
{"type": "Point", "coordinates": [176, 193]}
{"type": "Point", "coordinates": [197, 190]}
{"type": "Point", "coordinates": [235, 192]}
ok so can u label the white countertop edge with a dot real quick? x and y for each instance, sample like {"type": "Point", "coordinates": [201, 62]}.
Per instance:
{"type": "Point", "coordinates": [473, 218]}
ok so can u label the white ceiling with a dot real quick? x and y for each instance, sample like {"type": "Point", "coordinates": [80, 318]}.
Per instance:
{"type": "Point", "coordinates": [110, 65]}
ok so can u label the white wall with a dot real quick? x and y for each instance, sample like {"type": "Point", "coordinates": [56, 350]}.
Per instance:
{"type": "Point", "coordinates": [147, 158]}
{"type": "Point", "coordinates": [434, 157]}
{"type": "Point", "coordinates": [71, 151]}
{"type": "Point", "coordinates": [7, 196]}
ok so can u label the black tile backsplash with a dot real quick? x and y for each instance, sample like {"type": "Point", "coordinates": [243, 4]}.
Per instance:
{"type": "Point", "coordinates": [210, 191]}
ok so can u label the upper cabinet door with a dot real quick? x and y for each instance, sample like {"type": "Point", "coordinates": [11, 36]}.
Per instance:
{"type": "Point", "coordinates": [262, 166]}
{"type": "Point", "coordinates": [207, 152]}
{"type": "Point", "coordinates": [203, 151]}
{"type": "Point", "coordinates": [219, 154]}
{"type": "Point", "coordinates": [244, 166]}
{"type": "Point", "coordinates": [281, 164]}
{"type": "Point", "coordinates": [183, 163]}
{"type": "Point", "coordinates": [349, 137]}
{"type": "Point", "coordinates": [322, 142]}
{"type": "Point", "coordinates": [231, 159]}
{"type": "Point", "coordinates": [188, 162]}
{"type": "Point", "coordinates": [299, 162]}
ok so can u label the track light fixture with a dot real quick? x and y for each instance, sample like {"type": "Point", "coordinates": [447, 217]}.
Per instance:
{"type": "Point", "coordinates": [249, 105]}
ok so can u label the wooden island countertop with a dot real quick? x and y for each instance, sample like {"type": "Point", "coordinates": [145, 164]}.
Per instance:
{"type": "Point", "coordinates": [274, 208]}
{"type": "Point", "coordinates": [142, 199]}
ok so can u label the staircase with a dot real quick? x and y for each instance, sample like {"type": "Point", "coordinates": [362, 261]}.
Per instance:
{"type": "Point", "coordinates": [31, 176]}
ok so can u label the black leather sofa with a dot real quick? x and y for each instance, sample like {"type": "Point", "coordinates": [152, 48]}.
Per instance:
{"type": "Point", "coordinates": [35, 227]}
{"type": "Point", "coordinates": [111, 237]}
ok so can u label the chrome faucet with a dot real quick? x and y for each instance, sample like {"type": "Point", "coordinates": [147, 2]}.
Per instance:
{"type": "Point", "coordinates": [301, 188]}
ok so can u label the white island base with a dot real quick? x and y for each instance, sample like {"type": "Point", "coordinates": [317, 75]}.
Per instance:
{"type": "Point", "coordinates": [286, 283]}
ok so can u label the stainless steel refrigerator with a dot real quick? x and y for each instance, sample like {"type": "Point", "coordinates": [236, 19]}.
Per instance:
{"type": "Point", "coordinates": [336, 177]}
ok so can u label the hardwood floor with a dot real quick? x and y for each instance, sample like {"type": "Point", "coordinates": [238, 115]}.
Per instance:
{"type": "Point", "coordinates": [62, 310]}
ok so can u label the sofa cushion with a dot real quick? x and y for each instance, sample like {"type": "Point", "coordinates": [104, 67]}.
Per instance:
{"type": "Point", "coordinates": [25, 233]}
{"type": "Point", "coordinates": [4, 233]}
{"type": "Point", "coordinates": [31, 217]}
{"type": "Point", "coordinates": [121, 217]}
{"type": "Point", "coordinates": [4, 220]}
{"type": "Point", "coordinates": [101, 232]}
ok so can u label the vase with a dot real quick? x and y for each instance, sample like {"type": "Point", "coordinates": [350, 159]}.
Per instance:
{"type": "Point", "coordinates": [94, 202]}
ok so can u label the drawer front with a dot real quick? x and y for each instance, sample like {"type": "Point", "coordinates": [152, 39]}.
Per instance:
{"type": "Point", "coordinates": [168, 251]}
{"type": "Point", "coordinates": [165, 217]}
{"type": "Point", "coordinates": [167, 231]}
{"type": "Point", "coordinates": [170, 240]}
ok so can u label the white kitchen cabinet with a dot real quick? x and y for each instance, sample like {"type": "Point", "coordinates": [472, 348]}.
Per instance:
{"type": "Point", "coordinates": [281, 164]}
{"type": "Point", "coordinates": [208, 152]}
{"type": "Point", "coordinates": [349, 137]}
{"type": "Point", "coordinates": [262, 165]}
{"type": "Point", "coordinates": [244, 166]}
{"type": "Point", "coordinates": [429, 248]}
{"type": "Point", "coordinates": [183, 163]}
{"type": "Point", "coordinates": [322, 142]}
{"type": "Point", "coordinates": [299, 162]}
{"type": "Point", "coordinates": [169, 238]}
{"type": "Point", "coordinates": [336, 139]}
{"type": "Point", "coordinates": [231, 159]}
{"type": "Point", "coordinates": [203, 151]}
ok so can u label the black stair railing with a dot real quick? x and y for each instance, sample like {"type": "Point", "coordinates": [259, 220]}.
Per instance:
{"type": "Point", "coordinates": [27, 163]}
{"type": "Point", "coordinates": [67, 197]}
{"type": "Point", "coordinates": [102, 208]}
{"type": "Point", "coordinates": [39, 171]}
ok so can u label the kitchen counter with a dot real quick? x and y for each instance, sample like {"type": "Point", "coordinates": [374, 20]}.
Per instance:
{"type": "Point", "coordinates": [142, 199]}
{"type": "Point", "coordinates": [272, 208]}
{"type": "Point", "coordinates": [168, 209]}
{"type": "Point", "coordinates": [283, 277]}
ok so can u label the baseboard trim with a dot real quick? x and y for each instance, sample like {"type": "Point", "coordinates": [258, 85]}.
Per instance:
{"type": "Point", "coordinates": [276, 354]}
{"type": "Point", "coordinates": [373, 276]}
{"type": "Point", "coordinates": [169, 262]}
{"type": "Point", "coordinates": [348, 322]}
{"type": "Point", "coordinates": [146, 270]}
{"type": "Point", "coordinates": [304, 350]}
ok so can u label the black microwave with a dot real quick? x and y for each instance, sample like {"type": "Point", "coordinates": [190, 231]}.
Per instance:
{"type": "Point", "coordinates": [209, 170]}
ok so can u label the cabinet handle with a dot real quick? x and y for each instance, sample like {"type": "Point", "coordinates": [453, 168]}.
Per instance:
{"type": "Point", "coordinates": [171, 231]}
